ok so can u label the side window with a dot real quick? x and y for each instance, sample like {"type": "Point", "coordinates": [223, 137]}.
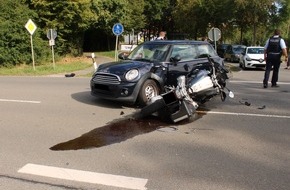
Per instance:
{"type": "Point", "coordinates": [186, 52]}
{"type": "Point", "coordinates": [204, 50]}
{"type": "Point", "coordinates": [251, 50]}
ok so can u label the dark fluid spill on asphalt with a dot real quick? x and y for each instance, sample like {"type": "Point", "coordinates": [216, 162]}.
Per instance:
{"type": "Point", "coordinates": [116, 132]}
{"type": "Point", "coordinates": [111, 133]}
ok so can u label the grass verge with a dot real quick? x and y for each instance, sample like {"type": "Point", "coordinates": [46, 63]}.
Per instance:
{"type": "Point", "coordinates": [64, 65]}
{"type": "Point", "coordinates": [45, 69]}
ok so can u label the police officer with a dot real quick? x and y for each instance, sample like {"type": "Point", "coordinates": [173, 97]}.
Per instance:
{"type": "Point", "coordinates": [274, 48]}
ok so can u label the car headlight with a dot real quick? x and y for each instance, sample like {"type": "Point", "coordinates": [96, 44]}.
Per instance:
{"type": "Point", "coordinates": [132, 74]}
{"type": "Point", "coordinates": [248, 59]}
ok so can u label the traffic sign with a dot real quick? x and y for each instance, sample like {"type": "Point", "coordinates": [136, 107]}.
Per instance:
{"type": "Point", "coordinates": [214, 34]}
{"type": "Point", "coordinates": [51, 34]}
{"type": "Point", "coordinates": [118, 29]}
{"type": "Point", "coordinates": [30, 26]}
{"type": "Point", "coordinates": [51, 42]}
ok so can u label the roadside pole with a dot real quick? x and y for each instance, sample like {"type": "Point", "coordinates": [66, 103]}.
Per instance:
{"type": "Point", "coordinates": [53, 62]}
{"type": "Point", "coordinates": [32, 53]}
{"type": "Point", "coordinates": [51, 35]}
{"type": "Point", "coordinates": [116, 48]}
{"type": "Point", "coordinates": [117, 29]}
{"type": "Point", "coordinates": [31, 27]}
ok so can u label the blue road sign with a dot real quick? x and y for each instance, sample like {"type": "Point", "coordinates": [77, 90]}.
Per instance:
{"type": "Point", "coordinates": [118, 29]}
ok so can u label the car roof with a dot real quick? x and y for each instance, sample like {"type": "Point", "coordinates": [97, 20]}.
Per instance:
{"type": "Point", "coordinates": [224, 44]}
{"type": "Point", "coordinates": [255, 47]}
{"type": "Point", "coordinates": [237, 45]}
{"type": "Point", "coordinates": [176, 42]}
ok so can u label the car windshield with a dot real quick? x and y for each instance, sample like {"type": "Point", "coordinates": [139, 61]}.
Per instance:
{"type": "Point", "coordinates": [149, 52]}
{"type": "Point", "coordinates": [256, 51]}
{"type": "Point", "coordinates": [223, 46]}
{"type": "Point", "coordinates": [238, 49]}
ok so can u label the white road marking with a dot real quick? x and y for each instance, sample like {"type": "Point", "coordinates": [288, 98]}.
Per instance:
{"type": "Point", "coordinates": [85, 176]}
{"type": "Point", "coordinates": [244, 114]}
{"type": "Point", "coordinates": [20, 101]}
{"type": "Point", "coordinates": [255, 82]}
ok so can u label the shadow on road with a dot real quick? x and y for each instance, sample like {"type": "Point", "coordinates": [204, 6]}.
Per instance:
{"type": "Point", "coordinates": [87, 98]}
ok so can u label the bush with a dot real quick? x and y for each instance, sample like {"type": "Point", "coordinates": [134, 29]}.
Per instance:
{"type": "Point", "coordinates": [15, 46]}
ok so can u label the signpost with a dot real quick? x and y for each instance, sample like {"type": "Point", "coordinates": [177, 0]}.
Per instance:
{"type": "Point", "coordinates": [31, 27]}
{"type": "Point", "coordinates": [117, 29]}
{"type": "Point", "coordinates": [51, 35]}
{"type": "Point", "coordinates": [214, 35]}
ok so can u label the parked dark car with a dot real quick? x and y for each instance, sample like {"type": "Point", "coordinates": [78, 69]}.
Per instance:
{"type": "Point", "coordinates": [139, 76]}
{"type": "Point", "coordinates": [233, 53]}
{"type": "Point", "coordinates": [221, 49]}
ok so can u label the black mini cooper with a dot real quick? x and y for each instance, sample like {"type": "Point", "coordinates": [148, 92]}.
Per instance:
{"type": "Point", "coordinates": [143, 73]}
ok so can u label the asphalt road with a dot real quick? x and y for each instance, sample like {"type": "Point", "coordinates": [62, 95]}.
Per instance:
{"type": "Point", "coordinates": [55, 135]}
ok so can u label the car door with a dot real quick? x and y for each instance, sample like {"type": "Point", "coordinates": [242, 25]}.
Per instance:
{"type": "Point", "coordinates": [190, 57]}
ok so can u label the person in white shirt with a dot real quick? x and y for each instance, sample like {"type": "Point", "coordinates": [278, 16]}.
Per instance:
{"type": "Point", "coordinates": [162, 36]}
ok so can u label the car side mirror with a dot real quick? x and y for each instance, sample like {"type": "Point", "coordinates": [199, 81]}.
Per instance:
{"type": "Point", "coordinates": [175, 59]}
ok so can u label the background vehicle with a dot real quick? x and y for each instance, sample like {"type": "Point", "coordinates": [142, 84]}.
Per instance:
{"type": "Point", "coordinates": [142, 75]}
{"type": "Point", "coordinates": [253, 57]}
{"type": "Point", "coordinates": [221, 49]}
{"type": "Point", "coordinates": [233, 53]}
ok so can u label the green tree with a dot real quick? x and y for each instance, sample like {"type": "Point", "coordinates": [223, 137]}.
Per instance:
{"type": "Point", "coordinates": [110, 12]}
{"type": "Point", "coordinates": [134, 18]}
{"type": "Point", "coordinates": [260, 18]}
{"type": "Point", "coordinates": [14, 38]}
{"type": "Point", "coordinates": [241, 21]}
{"type": "Point", "coordinates": [155, 14]}
{"type": "Point", "coordinates": [201, 15]}
{"type": "Point", "coordinates": [235, 18]}
{"type": "Point", "coordinates": [251, 16]}
{"type": "Point", "coordinates": [280, 16]}
{"type": "Point", "coordinates": [70, 19]}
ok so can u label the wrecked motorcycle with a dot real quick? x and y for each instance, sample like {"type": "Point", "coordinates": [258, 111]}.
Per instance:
{"type": "Point", "coordinates": [180, 102]}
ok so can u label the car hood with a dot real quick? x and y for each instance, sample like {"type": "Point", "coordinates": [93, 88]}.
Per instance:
{"type": "Point", "coordinates": [256, 56]}
{"type": "Point", "coordinates": [121, 67]}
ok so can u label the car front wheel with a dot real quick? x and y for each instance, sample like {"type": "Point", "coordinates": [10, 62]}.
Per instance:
{"type": "Point", "coordinates": [149, 89]}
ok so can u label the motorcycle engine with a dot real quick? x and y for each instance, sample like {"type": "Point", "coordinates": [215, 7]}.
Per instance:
{"type": "Point", "coordinates": [200, 83]}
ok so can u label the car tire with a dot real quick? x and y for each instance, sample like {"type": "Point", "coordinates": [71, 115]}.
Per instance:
{"type": "Point", "coordinates": [148, 90]}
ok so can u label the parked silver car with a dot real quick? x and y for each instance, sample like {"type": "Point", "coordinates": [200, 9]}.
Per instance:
{"type": "Point", "coordinates": [253, 57]}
